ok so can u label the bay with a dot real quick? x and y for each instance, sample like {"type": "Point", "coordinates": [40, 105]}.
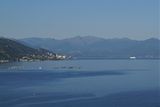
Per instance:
{"type": "Point", "coordinates": [80, 83]}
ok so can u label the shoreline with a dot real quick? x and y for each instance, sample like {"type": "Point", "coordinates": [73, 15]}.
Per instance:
{"type": "Point", "coordinates": [9, 61]}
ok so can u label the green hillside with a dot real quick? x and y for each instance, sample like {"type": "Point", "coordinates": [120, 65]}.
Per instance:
{"type": "Point", "coordinates": [12, 50]}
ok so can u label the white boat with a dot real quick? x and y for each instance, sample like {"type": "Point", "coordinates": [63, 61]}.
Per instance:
{"type": "Point", "coordinates": [132, 57]}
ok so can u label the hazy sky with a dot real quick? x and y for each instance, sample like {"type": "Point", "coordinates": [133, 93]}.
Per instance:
{"type": "Point", "coordinates": [136, 19]}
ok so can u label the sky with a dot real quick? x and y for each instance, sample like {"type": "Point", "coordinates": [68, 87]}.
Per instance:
{"type": "Point", "coordinates": [135, 19]}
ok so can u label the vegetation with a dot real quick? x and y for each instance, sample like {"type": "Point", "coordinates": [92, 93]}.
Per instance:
{"type": "Point", "coordinates": [13, 50]}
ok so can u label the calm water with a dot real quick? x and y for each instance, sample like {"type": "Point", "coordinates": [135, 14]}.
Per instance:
{"type": "Point", "coordinates": [80, 83]}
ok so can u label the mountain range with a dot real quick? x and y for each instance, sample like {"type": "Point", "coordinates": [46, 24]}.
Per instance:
{"type": "Point", "coordinates": [94, 47]}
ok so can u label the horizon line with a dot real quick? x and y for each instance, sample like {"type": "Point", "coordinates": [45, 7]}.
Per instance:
{"type": "Point", "coordinates": [80, 37]}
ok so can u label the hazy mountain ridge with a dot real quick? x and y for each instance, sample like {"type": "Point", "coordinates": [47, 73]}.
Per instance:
{"type": "Point", "coordinates": [98, 47]}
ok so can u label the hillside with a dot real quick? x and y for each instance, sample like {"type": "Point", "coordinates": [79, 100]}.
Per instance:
{"type": "Point", "coordinates": [11, 50]}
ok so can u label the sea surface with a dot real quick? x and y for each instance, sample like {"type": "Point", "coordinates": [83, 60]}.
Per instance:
{"type": "Point", "coordinates": [80, 83]}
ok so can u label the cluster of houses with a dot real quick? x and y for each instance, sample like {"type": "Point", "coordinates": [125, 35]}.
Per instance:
{"type": "Point", "coordinates": [4, 61]}
{"type": "Point", "coordinates": [48, 56]}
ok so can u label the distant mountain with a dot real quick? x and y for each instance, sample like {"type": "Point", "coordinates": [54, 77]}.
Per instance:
{"type": "Point", "coordinates": [91, 47]}
{"type": "Point", "coordinates": [11, 49]}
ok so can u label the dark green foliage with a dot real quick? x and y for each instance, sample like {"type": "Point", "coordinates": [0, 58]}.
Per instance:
{"type": "Point", "coordinates": [12, 50]}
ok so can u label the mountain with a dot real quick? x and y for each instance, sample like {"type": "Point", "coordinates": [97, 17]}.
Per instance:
{"type": "Point", "coordinates": [11, 50]}
{"type": "Point", "coordinates": [92, 47]}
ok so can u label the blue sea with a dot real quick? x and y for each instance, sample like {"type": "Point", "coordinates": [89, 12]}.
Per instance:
{"type": "Point", "coordinates": [80, 83]}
